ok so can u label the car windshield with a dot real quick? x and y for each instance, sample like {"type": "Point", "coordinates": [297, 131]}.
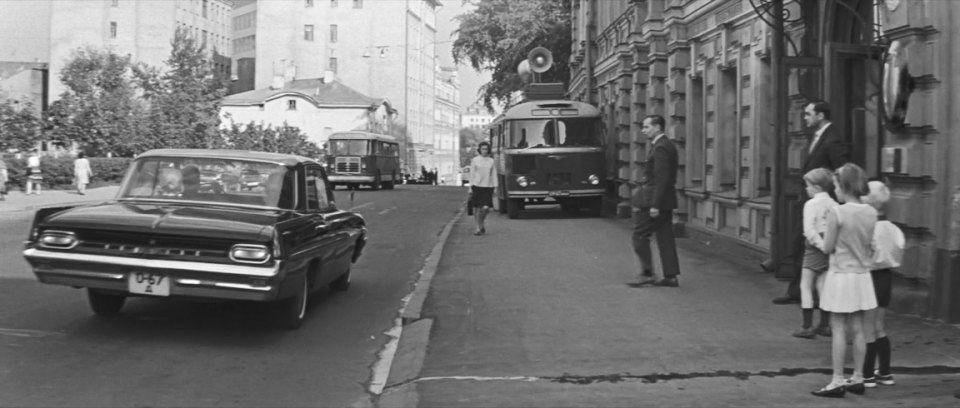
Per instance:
{"type": "Point", "coordinates": [211, 180]}
{"type": "Point", "coordinates": [563, 132]}
{"type": "Point", "coordinates": [348, 148]}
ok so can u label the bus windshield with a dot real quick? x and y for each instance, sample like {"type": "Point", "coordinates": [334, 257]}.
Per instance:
{"type": "Point", "coordinates": [349, 148]}
{"type": "Point", "coordinates": [562, 132]}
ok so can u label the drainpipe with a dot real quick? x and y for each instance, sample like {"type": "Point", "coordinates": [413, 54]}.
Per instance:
{"type": "Point", "coordinates": [778, 241]}
{"type": "Point", "coordinates": [588, 53]}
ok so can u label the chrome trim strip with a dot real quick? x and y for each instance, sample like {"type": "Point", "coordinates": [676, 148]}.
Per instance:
{"type": "Point", "coordinates": [242, 270]}
{"type": "Point", "coordinates": [241, 286]}
{"type": "Point", "coordinates": [88, 274]}
{"type": "Point", "coordinates": [545, 193]}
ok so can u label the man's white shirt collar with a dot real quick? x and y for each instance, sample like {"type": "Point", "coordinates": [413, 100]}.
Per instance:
{"type": "Point", "coordinates": [657, 139]}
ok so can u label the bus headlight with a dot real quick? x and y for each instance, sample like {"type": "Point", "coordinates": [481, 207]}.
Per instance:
{"type": "Point", "coordinates": [522, 181]}
{"type": "Point", "coordinates": [593, 179]}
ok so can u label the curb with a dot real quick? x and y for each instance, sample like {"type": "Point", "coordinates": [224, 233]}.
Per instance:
{"type": "Point", "coordinates": [404, 355]}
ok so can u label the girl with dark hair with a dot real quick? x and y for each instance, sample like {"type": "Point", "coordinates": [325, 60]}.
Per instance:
{"type": "Point", "coordinates": [483, 174]}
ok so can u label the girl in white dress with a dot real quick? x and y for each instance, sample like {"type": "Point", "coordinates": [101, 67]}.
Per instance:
{"type": "Point", "coordinates": [848, 287]}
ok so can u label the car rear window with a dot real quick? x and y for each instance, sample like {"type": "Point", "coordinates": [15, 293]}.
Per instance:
{"type": "Point", "coordinates": [209, 180]}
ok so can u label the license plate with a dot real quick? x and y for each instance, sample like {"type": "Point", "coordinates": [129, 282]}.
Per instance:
{"type": "Point", "coordinates": [562, 193]}
{"type": "Point", "coordinates": [145, 283]}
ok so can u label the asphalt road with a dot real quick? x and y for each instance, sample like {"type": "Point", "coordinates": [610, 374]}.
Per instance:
{"type": "Point", "coordinates": [54, 352]}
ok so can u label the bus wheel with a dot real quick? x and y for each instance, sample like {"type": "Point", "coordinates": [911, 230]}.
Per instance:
{"type": "Point", "coordinates": [376, 183]}
{"type": "Point", "coordinates": [513, 207]}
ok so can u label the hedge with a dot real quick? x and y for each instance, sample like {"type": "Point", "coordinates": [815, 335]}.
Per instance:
{"type": "Point", "coordinates": [58, 171]}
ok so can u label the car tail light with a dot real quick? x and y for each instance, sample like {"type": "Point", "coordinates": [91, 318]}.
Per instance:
{"type": "Point", "coordinates": [58, 239]}
{"type": "Point", "coordinates": [249, 253]}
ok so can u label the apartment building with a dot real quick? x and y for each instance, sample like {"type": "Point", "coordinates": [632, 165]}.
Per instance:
{"type": "Point", "coordinates": [48, 31]}
{"type": "Point", "coordinates": [385, 49]}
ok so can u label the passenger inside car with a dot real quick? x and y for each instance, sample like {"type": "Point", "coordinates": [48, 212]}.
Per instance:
{"type": "Point", "coordinates": [191, 181]}
{"type": "Point", "coordinates": [169, 182]}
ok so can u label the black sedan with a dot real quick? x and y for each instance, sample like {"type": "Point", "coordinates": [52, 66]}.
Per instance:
{"type": "Point", "coordinates": [167, 236]}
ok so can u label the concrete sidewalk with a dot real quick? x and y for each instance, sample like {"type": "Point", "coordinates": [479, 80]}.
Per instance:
{"type": "Point", "coordinates": [17, 201]}
{"type": "Point", "coordinates": [537, 314]}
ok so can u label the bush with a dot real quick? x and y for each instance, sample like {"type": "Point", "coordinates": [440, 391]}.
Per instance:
{"type": "Point", "coordinates": [58, 171]}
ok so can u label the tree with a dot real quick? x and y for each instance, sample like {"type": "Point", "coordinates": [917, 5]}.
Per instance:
{"type": "Point", "coordinates": [184, 101]}
{"type": "Point", "coordinates": [469, 139]}
{"type": "Point", "coordinates": [285, 139]}
{"type": "Point", "coordinates": [19, 125]}
{"type": "Point", "coordinates": [498, 34]}
{"type": "Point", "coordinates": [100, 108]}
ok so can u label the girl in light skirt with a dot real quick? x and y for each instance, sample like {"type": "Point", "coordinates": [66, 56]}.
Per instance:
{"type": "Point", "coordinates": [848, 287]}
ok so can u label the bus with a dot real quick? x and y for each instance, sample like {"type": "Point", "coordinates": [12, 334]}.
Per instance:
{"type": "Point", "coordinates": [357, 158]}
{"type": "Point", "coordinates": [549, 152]}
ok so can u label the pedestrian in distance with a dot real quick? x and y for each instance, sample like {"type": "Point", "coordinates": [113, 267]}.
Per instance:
{"type": "Point", "coordinates": [3, 179]}
{"type": "Point", "coordinates": [654, 201]}
{"type": "Point", "coordinates": [82, 173]}
{"type": "Point", "coordinates": [483, 181]}
{"type": "Point", "coordinates": [848, 289]}
{"type": "Point", "coordinates": [888, 244]}
{"type": "Point", "coordinates": [815, 262]}
{"type": "Point", "coordinates": [827, 149]}
{"type": "Point", "coordinates": [34, 176]}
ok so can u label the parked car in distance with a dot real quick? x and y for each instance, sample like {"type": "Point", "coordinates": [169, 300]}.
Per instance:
{"type": "Point", "coordinates": [166, 236]}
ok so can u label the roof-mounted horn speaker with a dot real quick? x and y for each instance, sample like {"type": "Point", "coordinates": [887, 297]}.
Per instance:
{"type": "Point", "coordinates": [540, 59]}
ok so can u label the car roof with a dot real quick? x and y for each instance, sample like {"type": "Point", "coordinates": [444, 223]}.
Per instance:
{"type": "Point", "coordinates": [279, 158]}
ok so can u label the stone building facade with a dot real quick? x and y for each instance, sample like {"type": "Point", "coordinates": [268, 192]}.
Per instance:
{"type": "Point", "coordinates": [707, 66]}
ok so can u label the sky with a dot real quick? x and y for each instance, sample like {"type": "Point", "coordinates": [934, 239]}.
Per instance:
{"type": "Point", "coordinates": [470, 80]}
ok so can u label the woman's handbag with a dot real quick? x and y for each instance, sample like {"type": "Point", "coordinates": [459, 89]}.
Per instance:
{"type": "Point", "coordinates": [470, 202]}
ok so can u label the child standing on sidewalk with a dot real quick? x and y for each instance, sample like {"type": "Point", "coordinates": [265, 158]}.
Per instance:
{"type": "Point", "coordinates": [888, 244]}
{"type": "Point", "coordinates": [848, 288]}
{"type": "Point", "coordinates": [815, 261]}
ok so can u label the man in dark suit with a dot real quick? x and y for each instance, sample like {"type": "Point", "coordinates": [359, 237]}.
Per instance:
{"type": "Point", "coordinates": [829, 150]}
{"type": "Point", "coordinates": [655, 199]}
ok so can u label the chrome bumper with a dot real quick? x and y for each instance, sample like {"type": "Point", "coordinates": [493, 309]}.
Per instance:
{"type": "Point", "coordinates": [341, 178]}
{"type": "Point", "coordinates": [190, 279]}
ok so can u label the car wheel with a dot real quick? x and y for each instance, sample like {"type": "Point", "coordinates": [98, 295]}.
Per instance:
{"type": "Point", "coordinates": [290, 312]}
{"type": "Point", "coordinates": [342, 282]}
{"type": "Point", "coordinates": [104, 304]}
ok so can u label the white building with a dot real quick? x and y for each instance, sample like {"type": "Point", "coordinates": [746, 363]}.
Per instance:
{"type": "Point", "coordinates": [446, 111]}
{"type": "Point", "coordinates": [49, 31]}
{"type": "Point", "coordinates": [476, 116]}
{"type": "Point", "coordinates": [317, 106]}
{"type": "Point", "coordinates": [384, 48]}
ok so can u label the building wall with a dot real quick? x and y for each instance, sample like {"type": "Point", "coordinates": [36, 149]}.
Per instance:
{"type": "Point", "coordinates": [54, 30]}
{"type": "Point", "coordinates": [706, 67]}
{"type": "Point", "coordinates": [447, 119]}
{"type": "Point", "coordinates": [384, 49]}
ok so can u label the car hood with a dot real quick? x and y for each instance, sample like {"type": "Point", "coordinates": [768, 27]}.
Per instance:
{"type": "Point", "coordinates": [167, 219]}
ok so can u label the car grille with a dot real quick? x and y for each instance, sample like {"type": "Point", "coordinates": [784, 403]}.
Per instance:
{"type": "Point", "coordinates": [154, 247]}
{"type": "Point", "coordinates": [348, 164]}
{"type": "Point", "coordinates": [558, 179]}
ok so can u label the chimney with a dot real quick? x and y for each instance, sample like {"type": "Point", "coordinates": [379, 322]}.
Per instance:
{"type": "Point", "coordinates": [328, 77]}
{"type": "Point", "coordinates": [277, 82]}
{"type": "Point", "coordinates": [290, 73]}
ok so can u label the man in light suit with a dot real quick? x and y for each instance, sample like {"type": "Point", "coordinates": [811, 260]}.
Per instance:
{"type": "Point", "coordinates": [654, 201]}
{"type": "Point", "coordinates": [827, 149]}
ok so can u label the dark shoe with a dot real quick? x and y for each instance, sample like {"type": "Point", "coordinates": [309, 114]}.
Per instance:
{"type": "Point", "coordinates": [824, 331]}
{"type": "Point", "coordinates": [768, 265]}
{"type": "Point", "coordinates": [642, 283]}
{"type": "Point", "coordinates": [483, 230]}
{"type": "Point", "coordinates": [785, 300]}
{"type": "Point", "coordinates": [666, 282]}
{"type": "Point", "coordinates": [806, 333]}
{"type": "Point", "coordinates": [837, 392]}
{"type": "Point", "coordinates": [478, 232]}
{"type": "Point", "coordinates": [855, 387]}
{"type": "Point", "coordinates": [870, 382]}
